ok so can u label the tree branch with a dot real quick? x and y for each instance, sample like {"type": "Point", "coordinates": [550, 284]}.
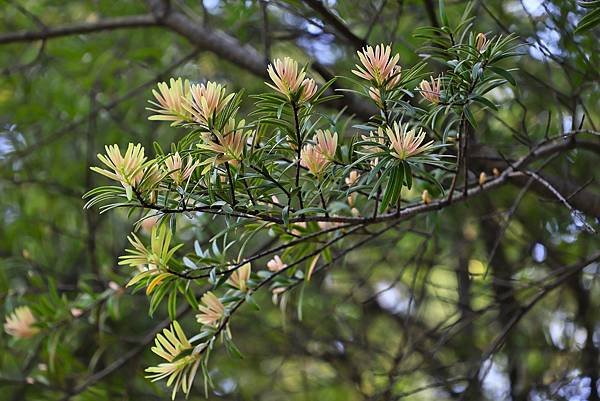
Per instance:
{"type": "Point", "coordinates": [215, 41]}
{"type": "Point", "coordinates": [486, 159]}
{"type": "Point", "coordinates": [133, 21]}
{"type": "Point", "coordinates": [336, 22]}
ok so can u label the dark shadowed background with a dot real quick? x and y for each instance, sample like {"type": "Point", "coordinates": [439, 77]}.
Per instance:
{"type": "Point", "coordinates": [504, 285]}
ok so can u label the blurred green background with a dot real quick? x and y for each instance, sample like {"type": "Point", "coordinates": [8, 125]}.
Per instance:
{"type": "Point", "coordinates": [406, 317]}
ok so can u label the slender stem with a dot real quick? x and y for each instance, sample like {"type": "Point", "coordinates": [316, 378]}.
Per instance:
{"type": "Point", "coordinates": [248, 192]}
{"type": "Point", "coordinates": [384, 108]}
{"type": "Point", "coordinates": [466, 134]}
{"type": "Point", "coordinates": [298, 152]}
{"type": "Point", "coordinates": [377, 199]}
{"type": "Point", "coordinates": [323, 202]}
{"type": "Point", "coordinates": [231, 187]}
{"type": "Point", "coordinates": [459, 161]}
{"type": "Point", "coordinates": [246, 187]}
{"type": "Point", "coordinates": [265, 173]}
{"type": "Point", "coordinates": [386, 122]}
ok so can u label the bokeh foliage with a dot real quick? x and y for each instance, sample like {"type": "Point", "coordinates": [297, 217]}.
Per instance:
{"type": "Point", "coordinates": [404, 313]}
